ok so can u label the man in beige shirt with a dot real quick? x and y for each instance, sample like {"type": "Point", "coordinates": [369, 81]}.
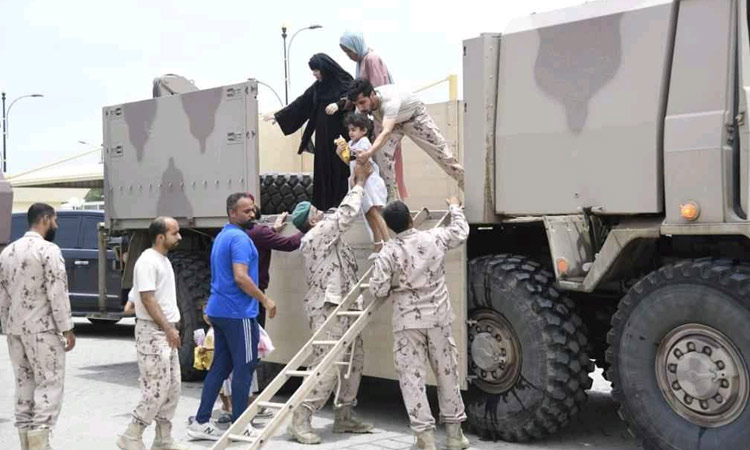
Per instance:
{"type": "Point", "coordinates": [35, 314]}
{"type": "Point", "coordinates": [411, 269]}
{"type": "Point", "coordinates": [154, 296]}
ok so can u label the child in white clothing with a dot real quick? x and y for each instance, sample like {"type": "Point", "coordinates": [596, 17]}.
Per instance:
{"type": "Point", "coordinates": [376, 194]}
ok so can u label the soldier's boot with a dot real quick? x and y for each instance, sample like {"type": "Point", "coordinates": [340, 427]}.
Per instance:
{"type": "Point", "coordinates": [455, 437]}
{"type": "Point", "coordinates": [132, 438]}
{"type": "Point", "coordinates": [39, 439]}
{"type": "Point", "coordinates": [163, 439]}
{"type": "Point", "coordinates": [23, 436]}
{"type": "Point", "coordinates": [346, 422]}
{"type": "Point", "coordinates": [425, 441]}
{"type": "Point", "coordinates": [301, 427]}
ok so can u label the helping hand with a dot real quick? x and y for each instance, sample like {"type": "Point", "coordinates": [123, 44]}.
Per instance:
{"type": "Point", "coordinates": [270, 117]}
{"type": "Point", "coordinates": [453, 201]}
{"type": "Point", "coordinates": [280, 222]}
{"type": "Point", "coordinates": [363, 157]}
{"type": "Point", "coordinates": [362, 171]}
{"type": "Point", "coordinates": [332, 109]}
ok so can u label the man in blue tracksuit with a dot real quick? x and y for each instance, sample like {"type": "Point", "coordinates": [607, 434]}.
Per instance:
{"type": "Point", "coordinates": [232, 310]}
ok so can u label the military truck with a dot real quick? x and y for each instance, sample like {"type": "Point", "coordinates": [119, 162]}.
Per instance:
{"type": "Point", "coordinates": [606, 153]}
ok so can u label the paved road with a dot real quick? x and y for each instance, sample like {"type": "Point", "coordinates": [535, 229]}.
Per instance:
{"type": "Point", "coordinates": [102, 388]}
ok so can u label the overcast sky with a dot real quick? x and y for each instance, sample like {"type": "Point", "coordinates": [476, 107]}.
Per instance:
{"type": "Point", "coordinates": [85, 54]}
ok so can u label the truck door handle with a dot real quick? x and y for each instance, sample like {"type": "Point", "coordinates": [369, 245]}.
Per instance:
{"type": "Point", "coordinates": [81, 262]}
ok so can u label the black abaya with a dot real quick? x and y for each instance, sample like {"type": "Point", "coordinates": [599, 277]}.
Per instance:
{"type": "Point", "coordinates": [330, 174]}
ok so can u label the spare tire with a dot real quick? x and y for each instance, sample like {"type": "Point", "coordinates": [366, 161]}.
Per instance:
{"type": "Point", "coordinates": [193, 282]}
{"type": "Point", "coordinates": [280, 192]}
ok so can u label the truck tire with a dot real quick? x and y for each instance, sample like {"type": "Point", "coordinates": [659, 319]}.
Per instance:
{"type": "Point", "coordinates": [527, 351]}
{"type": "Point", "coordinates": [679, 352]}
{"type": "Point", "coordinates": [280, 192]}
{"type": "Point", "coordinates": [193, 280]}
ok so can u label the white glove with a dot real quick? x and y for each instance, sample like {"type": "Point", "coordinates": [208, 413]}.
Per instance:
{"type": "Point", "coordinates": [331, 109]}
{"type": "Point", "coordinates": [270, 118]}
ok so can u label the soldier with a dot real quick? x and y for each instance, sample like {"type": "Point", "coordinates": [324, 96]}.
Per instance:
{"type": "Point", "coordinates": [397, 113]}
{"type": "Point", "coordinates": [331, 273]}
{"type": "Point", "coordinates": [157, 341]}
{"type": "Point", "coordinates": [35, 314]}
{"type": "Point", "coordinates": [411, 269]}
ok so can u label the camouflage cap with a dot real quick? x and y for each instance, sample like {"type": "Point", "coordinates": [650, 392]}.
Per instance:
{"type": "Point", "coordinates": [300, 214]}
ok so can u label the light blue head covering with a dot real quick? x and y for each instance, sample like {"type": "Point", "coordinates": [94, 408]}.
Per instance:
{"type": "Point", "coordinates": [356, 43]}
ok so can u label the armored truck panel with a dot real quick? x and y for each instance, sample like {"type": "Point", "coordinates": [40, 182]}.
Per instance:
{"type": "Point", "coordinates": [290, 329]}
{"type": "Point", "coordinates": [580, 109]}
{"type": "Point", "coordinates": [180, 156]}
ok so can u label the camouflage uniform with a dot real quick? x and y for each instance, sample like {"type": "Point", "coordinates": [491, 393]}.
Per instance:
{"type": "Point", "coordinates": [421, 128]}
{"type": "Point", "coordinates": [159, 367]}
{"type": "Point", "coordinates": [35, 310]}
{"type": "Point", "coordinates": [411, 269]}
{"type": "Point", "coordinates": [331, 274]}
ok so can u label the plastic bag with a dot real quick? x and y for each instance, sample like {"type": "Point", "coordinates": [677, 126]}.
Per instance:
{"type": "Point", "coordinates": [265, 346]}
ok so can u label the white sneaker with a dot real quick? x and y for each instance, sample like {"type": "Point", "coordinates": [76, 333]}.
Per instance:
{"type": "Point", "coordinates": [203, 431]}
{"type": "Point", "coordinates": [251, 431]}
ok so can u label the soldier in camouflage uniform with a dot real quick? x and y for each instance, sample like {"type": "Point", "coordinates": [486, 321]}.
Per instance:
{"type": "Point", "coordinates": [156, 340]}
{"type": "Point", "coordinates": [411, 269]}
{"type": "Point", "coordinates": [35, 314]}
{"type": "Point", "coordinates": [331, 273]}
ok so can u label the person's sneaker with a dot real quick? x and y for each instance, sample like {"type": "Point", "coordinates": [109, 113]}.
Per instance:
{"type": "Point", "coordinates": [251, 431]}
{"type": "Point", "coordinates": [264, 413]}
{"type": "Point", "coordinates": [203, 431]}
{"type": "Point", "coordinates": [224, 418]}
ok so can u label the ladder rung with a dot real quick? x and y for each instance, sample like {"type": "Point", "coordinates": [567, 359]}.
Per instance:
{"type": "Point", "coordinates": [298, 373]}
{"type": "Point", "coordinates": [341, 363]}
{"type": "Point", "coordinates": [242, 438]}
{"type": "Point", "coordinates": [325, 342]}
{"type": "Point", "coordinates": [271, 405]}
{"type": "Point", "coordinates": [350, 313]}
{"type": "Point", "coordinates": [364, 286]}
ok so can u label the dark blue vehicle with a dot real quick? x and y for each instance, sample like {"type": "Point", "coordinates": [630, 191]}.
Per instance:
{"type": "Point", "coordinates": [77, 238]}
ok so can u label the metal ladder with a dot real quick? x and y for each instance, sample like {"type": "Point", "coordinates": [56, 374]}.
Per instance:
{"type": "Point", "coordinates": [310, 376]}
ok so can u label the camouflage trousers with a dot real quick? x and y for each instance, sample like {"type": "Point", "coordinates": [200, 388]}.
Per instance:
{"type": "Point", "coordinates": [327, 384]}
{"type": "Point", "coordinates": [424, 132]}
{"type": "Point", "coordinates": [159, 367]}
{"type": "Point", "coordinates": [412, 349]}
{"type": "Point", "coordinates": [39, 366]}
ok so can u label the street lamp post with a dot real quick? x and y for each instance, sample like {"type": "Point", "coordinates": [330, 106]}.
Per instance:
{"type": "Point", "coordinates": [287, 53]}
{"type": "Point", "coordinates": [6, 116]}
{"type": "Point", "coordinates": [286, 67]}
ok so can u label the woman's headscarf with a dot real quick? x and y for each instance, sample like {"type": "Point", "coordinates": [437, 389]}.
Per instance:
{"type": "Point", "coordinates": [355, 42]}
{"type": "Point", "coordinates": [335, 80]}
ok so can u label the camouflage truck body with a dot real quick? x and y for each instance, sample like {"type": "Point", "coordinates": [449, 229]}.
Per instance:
{"type": "Point", "coordinates": [606, 155]}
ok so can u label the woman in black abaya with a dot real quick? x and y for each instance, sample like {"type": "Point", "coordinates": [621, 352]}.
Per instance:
{"type": "Point", "coordinates": [330, 174]}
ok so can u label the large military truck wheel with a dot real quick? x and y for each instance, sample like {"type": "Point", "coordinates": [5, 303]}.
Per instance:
{"type": "Point", "coordinates": [527, 351]}
{"type": "Point", "coordinates": [280, 192]}
{"type": "Point", "coordinates": [679, 352]}
{"type": "Point", "coordinates": [193, 279]}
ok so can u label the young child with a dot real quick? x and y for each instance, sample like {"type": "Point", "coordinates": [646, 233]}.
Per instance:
{"type": "Point", "coordinates": [376, 193]}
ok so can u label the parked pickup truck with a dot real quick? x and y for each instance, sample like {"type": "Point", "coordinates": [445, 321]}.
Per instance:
{"type": "Point", "coordinates": [77, 238]}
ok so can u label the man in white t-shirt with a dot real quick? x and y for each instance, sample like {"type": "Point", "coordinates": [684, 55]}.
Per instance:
{"type": "Point", "coordinates": [401, 113]}
{"type": "Point", "coordinates": [156, 340]}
